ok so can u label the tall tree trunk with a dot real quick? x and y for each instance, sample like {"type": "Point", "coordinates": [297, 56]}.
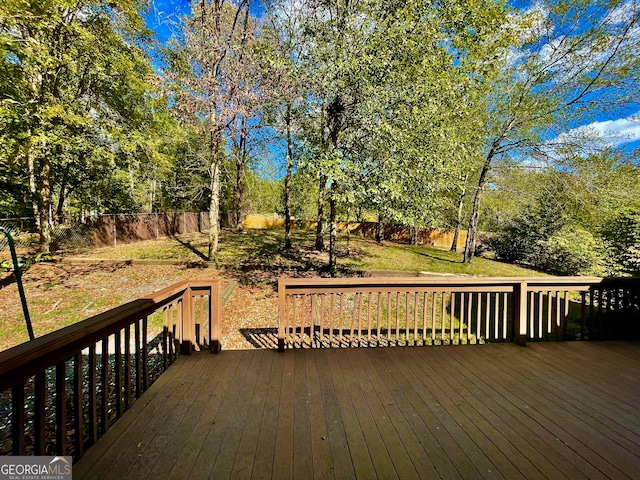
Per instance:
{"type": "Point", "coordinates": [214, 205]}
{"type": "Point", "coordinates": [380, 228]}
{"type": "Point", "coordinates": [348, 229]}
{"type": "Point", "coordinates": [322, 188]}
{"type": "Point", "coordinates": [62, 196]}
{"type": "Point", "coordinates": [35, 204]}
{"type": "Point", "coordinates": [287, 181]}
{"type": "Point", "coordinates": [456, 232]}
{"type": "Point", "coordinates": [238, 188]}
{"type": "Point", "coordinates": [332, 227]}
{"type": "Point", "coordinates": [45, 204]}
{"type": "Point", "coordinates": [472, 230]}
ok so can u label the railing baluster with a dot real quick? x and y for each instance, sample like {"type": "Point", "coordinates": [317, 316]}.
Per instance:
{"type": "Point", "coordinates": [18, 418]}
{"type": "Point", "coordinates": [322, 315]}
{"type": "Point", "coordinates": [469, 317]}
{"type": "Point", "coordinates": [461, 318]}
{"type": "Point", "coordinates": [118, 372]}
{"type": "Point", "coordinates": [452, 316]}
{"type": "Point", "coordinates": [415, 319]}
{"type": "Point", "coordinates": [433, 318]}
{"type": "Point", "coordinates": [442, 319]}
{"type": "Point", "coordinates": [93, 396]}
{"type": "Point", "coordinates": [424, 318]}
{"type": "Point", "coordinates": [136, 334]}
{"type": "Point", "coordinates": [78, 403]}
{"type": "Point", "coordinates": [145, 355]}
{"type": "Point", "coordinates": [389, 319]}
{"type": "Point", "coordinates": [61, 409]}
{"type": "Point", "coordinates": [341, 321]}
{"type": "Point", "coordinates": [332, 300]}
{"type": "Point", "coordinates": [379, 321]}
{"type": "Point", "coordinates": [566, 314]}
{"type": "Point", "coordinates": [40, 421]}
{"type": "Point", "coordinates": [487, 314]}
{"type": "Point", "coordinates": [127, 367]}
{"type": "Point", "coordinates": [496, 316]}
{"type": "Point", "coordinates": [104, 382]}
{"type": "Point", "coordinates": [369, 320]}
{"type": "Point", "coordinates": [505, 316]}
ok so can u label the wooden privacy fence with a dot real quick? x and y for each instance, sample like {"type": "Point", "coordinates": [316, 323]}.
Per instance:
{"type": "Point", "coordinates": [66, 389]}
{"type": "Point", "coordinates": [446, 310]}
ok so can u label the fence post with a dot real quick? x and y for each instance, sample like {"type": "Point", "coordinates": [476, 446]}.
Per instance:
{"type": "Point", "coordinates": [520, 313]}
{"type": "Point", "coordinates": [115, 232]}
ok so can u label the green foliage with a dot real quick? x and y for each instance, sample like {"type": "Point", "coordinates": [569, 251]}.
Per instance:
{"type": "Point", "coordinates": [622, 236]}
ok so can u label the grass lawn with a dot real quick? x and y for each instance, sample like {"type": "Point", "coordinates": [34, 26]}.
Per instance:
{"type": "Point", "coordinates": [262, 250]}
{"type": "Point", "coordinates": [61, 294]}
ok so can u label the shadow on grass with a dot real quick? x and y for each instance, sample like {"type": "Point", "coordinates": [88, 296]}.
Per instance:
{"type": "Point", "coordinates": [190, 246]}
{"type": "Point", "coordinates": [259, 256]}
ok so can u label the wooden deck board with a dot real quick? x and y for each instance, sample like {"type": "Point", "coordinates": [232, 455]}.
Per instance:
{"type": "Point", "coordinates": [551, 410]}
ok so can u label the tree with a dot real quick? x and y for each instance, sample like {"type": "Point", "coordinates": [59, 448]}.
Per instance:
{"type": "Point", "coordinates": [572, 59]}
{"type": "Point", "coordinates": [74, 87]}
{"type": "Point", "coordinates": [212, 79]}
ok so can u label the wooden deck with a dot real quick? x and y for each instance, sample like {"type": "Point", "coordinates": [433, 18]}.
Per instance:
{"type": "Point", "coordinates": [551, 410]}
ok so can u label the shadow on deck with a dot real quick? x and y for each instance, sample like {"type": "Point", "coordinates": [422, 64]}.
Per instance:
{"type": "Point", "coordinates": [551, 410]}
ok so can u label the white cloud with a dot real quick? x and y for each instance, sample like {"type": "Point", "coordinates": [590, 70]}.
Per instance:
{"type": "Point", "coordinates": [614, 132]}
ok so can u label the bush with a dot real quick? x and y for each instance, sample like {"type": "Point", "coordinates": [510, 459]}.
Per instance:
{"type": "Point", "coordinates": [622, 239]}
{"type": "Point", "coordinates": [572, 250]}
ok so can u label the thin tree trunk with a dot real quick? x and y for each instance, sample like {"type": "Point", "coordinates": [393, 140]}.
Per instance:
{"type": "Point", "coordinates": [287, 182]}
{"type": "Point", "coordinates": [322, 188]}
{"type": "Point", "coordinates": [348, 230]}
{"type": "Point", "coordinates": [470, 246]}
{"type": "Point", "coordinates": [214, 205]}
{"type": "Point", "coordinates": [35, 204]}
{"type": "Point", "coordinates": [332, 227]}
{"type": "Point", "coordinates": [456, 232]}
{"type": "Point", "coordinates": [45, 205]}
{"type": "Point", "coordinates": [380, 229]}
{"type": "Point", "coordinates": [238, 189]}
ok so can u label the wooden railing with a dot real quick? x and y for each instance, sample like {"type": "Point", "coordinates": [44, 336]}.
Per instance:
{"type": "Point", "coordinates": [447, 310]}
{"type": "Point", "coordinates": [62, 391]}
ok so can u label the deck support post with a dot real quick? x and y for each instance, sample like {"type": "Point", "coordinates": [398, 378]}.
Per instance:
{"type": "Point", "coordinates": [188, 324]}
{"type": "Point", "coordinates": [520, 314]}
{"type": "Point", "coordinates": [215, 315]}
{"type": "Point", "coordinates": [281, 314]}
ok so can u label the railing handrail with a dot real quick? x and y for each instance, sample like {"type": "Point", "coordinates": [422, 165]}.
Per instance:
{"type": "Point", "coordinates": [27, 359]}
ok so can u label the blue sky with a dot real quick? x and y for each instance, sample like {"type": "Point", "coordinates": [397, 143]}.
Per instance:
{"type": "Point", "coordinates": [622, 130]}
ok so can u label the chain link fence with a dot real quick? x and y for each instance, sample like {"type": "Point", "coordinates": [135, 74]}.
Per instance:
{"type": "Point", "coordinates": [102, 230]}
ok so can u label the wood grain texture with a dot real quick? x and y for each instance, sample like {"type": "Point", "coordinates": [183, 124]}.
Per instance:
{"type": "Point", "coordinates": [552, 410]}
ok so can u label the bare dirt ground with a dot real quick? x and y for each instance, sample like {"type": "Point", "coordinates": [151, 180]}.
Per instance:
{"type": "Point", "coordinates": [62, 294]}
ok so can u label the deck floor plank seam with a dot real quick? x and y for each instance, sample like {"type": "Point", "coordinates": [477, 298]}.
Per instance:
{"type": "Point", "coordinates": [434, 439]}
{"type": "Point", "coordinates": [567, 427]}
{"type": "Point", "coordinates": [191, 448]}
{"type": "Point", "coordinates": [245, 455]}
{"type": "Point", "coordinates": [184, 430]}
{"type": "Point", "coordinates": [223, 464]}
{"type": "Point", "coordinates": [471, 411]}
{"type": "Point", "coordinates": [525, 440]}
{"type": "Point", "coordinates": [320, 450]}
{"type": "Point", "coordinates": [266, 441]}
{"type": "Point", "coordinates": [519, 453]}
{"type": "Point", "coordinates": [375, 444]}
{"type": "Point", "coordinates": [336, 436]}
{"type": "Point", "coordinates": [397, 452]}
{"type": "Point", "coordinates": [482, 452]}
{"type": "Point", "coordinates": [506, 402]}
{"type": "Point", "coordinates": [121, 437]}
{"type": "Point", "coordinates": [595, 405]}
{"type": "Point", "coordinates": [418, 456]}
